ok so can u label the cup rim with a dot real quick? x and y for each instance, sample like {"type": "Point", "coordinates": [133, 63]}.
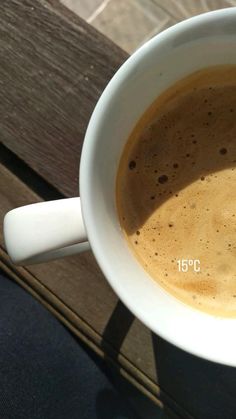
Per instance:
{"type": "Point", "coordinates": [85, 166]}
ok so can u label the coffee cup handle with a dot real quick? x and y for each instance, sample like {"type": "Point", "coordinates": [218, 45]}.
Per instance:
{"type": "Point", "coordinates": [45, 231]}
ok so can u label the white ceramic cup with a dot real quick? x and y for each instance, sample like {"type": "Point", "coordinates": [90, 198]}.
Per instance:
{"type": "Point", "coordinates": [48, 230]}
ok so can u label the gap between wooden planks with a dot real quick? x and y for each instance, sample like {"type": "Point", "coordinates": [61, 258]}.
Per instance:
{"type": "Point", "coordinates": [36, 280]}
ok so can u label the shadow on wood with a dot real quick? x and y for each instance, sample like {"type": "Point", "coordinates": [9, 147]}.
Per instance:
{"type": "Point", "coordinates": [204, 389]}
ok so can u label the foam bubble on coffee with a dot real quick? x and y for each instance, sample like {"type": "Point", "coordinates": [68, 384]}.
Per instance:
{"type": "Point", "coordinates": [175, 190]}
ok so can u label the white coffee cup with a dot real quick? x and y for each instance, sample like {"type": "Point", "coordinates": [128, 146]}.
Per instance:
{"type": "Point", "coordinates": [48, 230]}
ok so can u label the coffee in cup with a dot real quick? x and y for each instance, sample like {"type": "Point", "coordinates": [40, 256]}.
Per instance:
{"type": "Point", "coordinates": [175, 190]}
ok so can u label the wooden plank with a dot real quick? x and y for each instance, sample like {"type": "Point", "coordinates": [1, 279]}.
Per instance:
{"type": "Point", "coordinates": [53, 70]}
{"type": "Point", "coordinates": [76, 292]}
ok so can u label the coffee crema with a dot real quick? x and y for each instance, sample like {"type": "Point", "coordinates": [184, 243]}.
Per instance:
{"type": "Point", "coordinates": [175, 190]}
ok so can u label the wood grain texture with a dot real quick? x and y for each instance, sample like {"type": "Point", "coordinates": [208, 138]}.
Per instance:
{"type": "Point", "coordinates": [53, 70]}
{"type": "Point", "coordinates": [75, 290]}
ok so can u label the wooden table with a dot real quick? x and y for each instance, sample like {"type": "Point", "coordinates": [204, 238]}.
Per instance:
{"type": "Point", "coordinates": [53, 68]}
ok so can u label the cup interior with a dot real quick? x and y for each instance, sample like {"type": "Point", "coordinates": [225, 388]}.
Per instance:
{"type": "Point", "coordinates": [197, 43]}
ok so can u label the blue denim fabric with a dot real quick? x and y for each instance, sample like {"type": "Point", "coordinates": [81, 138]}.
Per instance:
{"type": "Point", "coordinates": [45, 372]}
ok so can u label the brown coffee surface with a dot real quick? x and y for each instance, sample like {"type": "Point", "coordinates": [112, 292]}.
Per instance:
{"type": "Point", "coordinates": [176, 190]}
